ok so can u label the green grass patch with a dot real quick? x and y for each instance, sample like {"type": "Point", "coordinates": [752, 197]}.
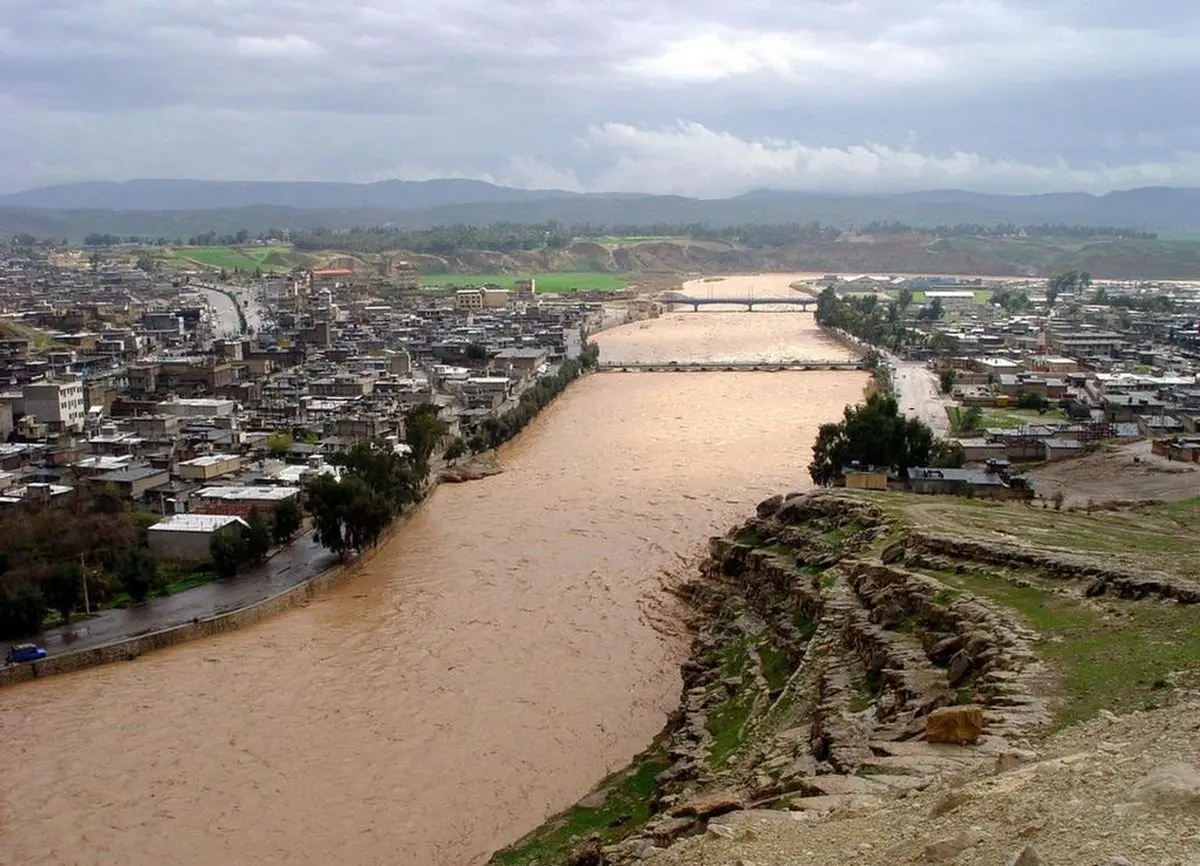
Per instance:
{"type": "Point", "coordinates": [841, 533]}
{"type": "Point", "coordinates": [1116, 657]}
{"type": "Point", "coordinates": [748, 537]}
{"type": "Point", "coordinates": [628, 795]}
{"type": "Point", "coordinates": [1004, 418]}
{"type": "Point", "coordinates": [550, 283]}
{"type": "Point", "coordinates": [734, 658]}
{"type": "Point", "coordinates": [862, 697]}
{"type": "Point", "coordinates": [806, 626]}
{"type": "Point", "coordinates": [727, 724]}
{"type": "Point", "coordinates": [776, 667]}
{"type": "Point", "coordinates": [1159, 537]}
{"type": "Point", "coordinates": [783, 552]}
{"type": "Point", "coordinates": [245, 258]}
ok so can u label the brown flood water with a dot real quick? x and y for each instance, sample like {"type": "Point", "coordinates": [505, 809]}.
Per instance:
{"type": "Point", "coordinates": [505, 649]}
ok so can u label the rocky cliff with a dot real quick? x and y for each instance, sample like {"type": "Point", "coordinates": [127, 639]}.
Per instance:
{"type": "Point", "coordinates": [851, 661]}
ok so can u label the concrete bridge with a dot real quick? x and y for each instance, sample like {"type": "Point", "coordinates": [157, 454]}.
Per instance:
{"type": "Point", "coordinates": [798, 303]}
{"type": "Point", "coordinates": [725, 366]}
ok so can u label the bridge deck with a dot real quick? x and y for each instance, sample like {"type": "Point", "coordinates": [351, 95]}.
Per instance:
{"type": "Point", "coordinates": [726, 366]}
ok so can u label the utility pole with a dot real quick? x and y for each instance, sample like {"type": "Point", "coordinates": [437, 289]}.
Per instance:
{"type": "Point", "coordinates": [87, 607]}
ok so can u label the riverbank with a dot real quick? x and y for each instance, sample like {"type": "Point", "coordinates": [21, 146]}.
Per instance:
{"type": "Point", "coordinates": [852, 650]}
{"type": "Point", "coordinates": [475, 468]}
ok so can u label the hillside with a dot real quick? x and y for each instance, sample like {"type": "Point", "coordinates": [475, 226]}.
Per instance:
{"type": "Point", "coordinates": [862, 659]}
{"type": "Point", "coordinates": [182, 207]}
{"type": "Point", "coordinates": [913, 254]}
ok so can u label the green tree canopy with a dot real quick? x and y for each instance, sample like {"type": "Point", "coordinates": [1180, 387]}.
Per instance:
{"type": "Point", "coordinates": [873, 433]}
{"type": "Point", "coordinates": [288, 518]}
{"type": "Point", "coordinates": [278, 443]}
{"type": "Point", "coordinates": [257, 537]}
{"type": "Point", "coordinates": [423, 433]}
{"type": "Point", "coordinates": [137, 571]}
{"type": "Point", "coordinates": [228, 551]}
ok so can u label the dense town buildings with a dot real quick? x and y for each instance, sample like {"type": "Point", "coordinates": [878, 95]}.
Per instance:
{"type": "Point", "coordinates": [116, 377]}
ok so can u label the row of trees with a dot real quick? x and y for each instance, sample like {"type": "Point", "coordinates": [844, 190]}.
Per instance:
{"type": "Point", "coordinates": [496, 430]}
{"type": "Point", "coordinates": [872, 318]}
{"type": "Point", "coordinates": [1006, 230]}
{"type": "Point", "coordinates": [874, 433]}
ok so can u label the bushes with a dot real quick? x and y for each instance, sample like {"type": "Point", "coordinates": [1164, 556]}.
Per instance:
{"type": "Point", "coordinates": [137, 572]}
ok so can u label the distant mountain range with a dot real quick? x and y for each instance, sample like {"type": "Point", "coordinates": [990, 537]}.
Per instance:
{"type": "Point", "coordinates": [175, 208]}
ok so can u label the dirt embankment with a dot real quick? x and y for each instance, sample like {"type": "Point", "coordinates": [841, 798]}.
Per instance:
{"type": "Point", "coordinates": [1117, 473]}
{"type": "Point", "coordinates": [888, 254]}
{"type": "Point", "coordinates": [850, 668]}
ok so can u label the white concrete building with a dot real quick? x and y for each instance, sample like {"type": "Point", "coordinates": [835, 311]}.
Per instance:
{"type": "Point", "coordinates": [58, 405]}
{"type": "Point", "coordinates": [189, 536]}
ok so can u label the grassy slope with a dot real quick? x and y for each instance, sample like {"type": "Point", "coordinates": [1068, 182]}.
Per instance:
{"type": "Point", "coordinates": [274, 258]}
{"type": "Point", "coordinates": [1108, 654]}
{"type": "Point", "coordinates": [38, 340]}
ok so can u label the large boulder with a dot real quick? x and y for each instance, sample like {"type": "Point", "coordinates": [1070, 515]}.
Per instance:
{"type": "Point", "coordinates": [961, 725]}
{"type": "Point", "coordinates": [1175, 786]}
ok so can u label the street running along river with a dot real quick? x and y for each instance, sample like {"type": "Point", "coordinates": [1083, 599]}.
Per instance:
{"type": "Point", "coordinates": [509, 645]}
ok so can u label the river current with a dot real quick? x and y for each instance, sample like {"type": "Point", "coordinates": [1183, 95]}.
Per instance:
{"type": "Point", "coordinates": [509, 645]}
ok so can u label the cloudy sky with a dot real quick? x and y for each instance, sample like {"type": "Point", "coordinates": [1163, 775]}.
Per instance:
{"type": "Point", "coordinates": [699, 97]}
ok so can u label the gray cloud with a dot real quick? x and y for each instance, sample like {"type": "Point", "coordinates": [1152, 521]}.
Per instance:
{"type": "Point", "coordinates": [692, 96]}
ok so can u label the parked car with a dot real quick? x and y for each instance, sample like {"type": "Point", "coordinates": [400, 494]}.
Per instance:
{"type": "Point", "coordinates": [24, 652]}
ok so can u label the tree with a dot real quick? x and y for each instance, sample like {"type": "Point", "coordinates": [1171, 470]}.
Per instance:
{"type": "Point", "coordinates": [385, 471]}
{"type": "Point", "coordinates": [278, 443]}
{"type": "Point", "coordinates": [257, 537]}
{"type": "Point", "coordinates": [1030, 400]}
{"type": "Point", "coordinates": [228, 551]}
{"type": "Point", "coordinates": [970, 419]}
{"type": "Point", "coordinates": [476, 352]}
{"type": "Point", "coordinates": [325, 500]}
{"type": "Point", "coordinates": [934, 311]}
{"type": "Point", "coordinates": [348, 516]}
{"type": "Point", "coordinates": [946, 379]}
{"type": "Point", "coordinates": [904, 298]}
{"type": "Point", "coordinates": [22, 609]}
{"type": "Point", "coordinates": [63, 586]}
{"type": "Point", "coordinates": [423, 432]}
{"type": "Point", "coordinates": [137, 571]}
{"type": "Point", "coordinates": [288, 518]}
{"type": "Point", "coordinates": [873, 433]}
{"type": "Point", "coordinates": [456, 449]}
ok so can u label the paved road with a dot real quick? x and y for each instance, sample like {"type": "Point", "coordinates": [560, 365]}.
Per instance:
{"type": "Point", "coordinates": [292, 565]}
{"type": "Point", "coordinates": [225, 318]}
{"type": "Point", "coordinates": [917, 387]}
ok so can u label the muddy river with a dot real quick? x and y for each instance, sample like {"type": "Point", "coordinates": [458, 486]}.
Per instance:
{"type": "Point", "coordinates": [507, 647]}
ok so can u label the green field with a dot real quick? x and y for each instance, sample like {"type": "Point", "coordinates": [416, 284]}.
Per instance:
{"type": "Point", "coordinates": [248, 258]}
{"type": "Point", "coordinates": [1009, 419]}
{"type": "Point", "coordinates": [584, 281]}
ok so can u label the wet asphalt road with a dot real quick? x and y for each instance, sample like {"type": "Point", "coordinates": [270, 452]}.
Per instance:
{"type": "Point", "coordinates": [294, 564]}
